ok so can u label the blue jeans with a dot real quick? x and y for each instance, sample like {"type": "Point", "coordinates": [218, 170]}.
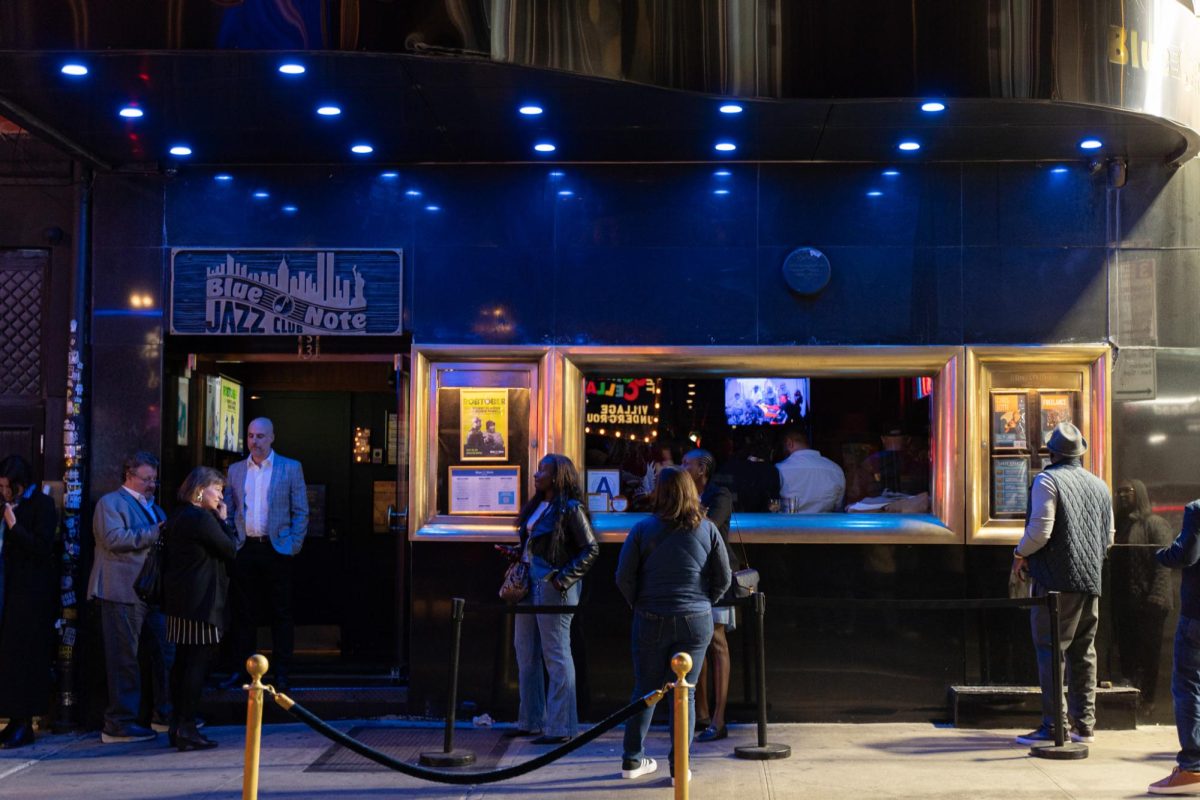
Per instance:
{"type": "Point", "coordinates": [546, 639]}
{"type": "Point", "coordinates": [655, 639]}
{"type": "Point", "coordinates": [1185, 688]}
{"type": "Point", "coordinates": [122, 625]}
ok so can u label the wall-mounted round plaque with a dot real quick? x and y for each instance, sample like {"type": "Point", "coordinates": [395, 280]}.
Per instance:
{"type": "Point", "coordinates": [806, 270]}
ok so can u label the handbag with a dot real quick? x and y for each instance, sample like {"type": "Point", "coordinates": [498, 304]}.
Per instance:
{"type": "Point", "coordinates": [745, 580]}
{"type": "Point", "coordinates": [148, 585]}
{"type": "Point", "coordinates": [515, 586]}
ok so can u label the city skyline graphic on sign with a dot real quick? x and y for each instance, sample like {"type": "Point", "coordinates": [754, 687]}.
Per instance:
{"type": "Point", "coordinates": [271, 292]}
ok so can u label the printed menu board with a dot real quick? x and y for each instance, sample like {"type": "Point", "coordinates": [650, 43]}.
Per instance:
{"type": "Point", "coordinates": [1056, 408]}
{"type": "Point", "coordinates": [1008, 421]}
{"type": "Point", "coordinates": [485, 490]}
{"type": "Point", "coordinates": [1010, 484]}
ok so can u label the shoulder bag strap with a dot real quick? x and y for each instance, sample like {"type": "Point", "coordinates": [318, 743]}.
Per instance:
{"type": "Point", "coordinates": [741, 544]}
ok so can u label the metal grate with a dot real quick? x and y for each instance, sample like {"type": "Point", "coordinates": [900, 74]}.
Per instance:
{"type": "Point", "coordinates": [407, 744]}
{"type": "Point", "coordinates": [20, 328]}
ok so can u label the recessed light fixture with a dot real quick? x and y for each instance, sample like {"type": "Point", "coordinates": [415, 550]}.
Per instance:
{"type": "Point", "coordinates": [557, 174]}
{"type": "Point", "coordinates": [730, 108]}
{"type": "Point", "coordinates": [413, 193]}
{"type": "Point", "coordinates": [74, 69]}
{"type": "Point", "coordinates": [1091, 144]}
{"type": "Point", "coordinates": [224, 177]}
{"type": "Point", "coordinates": [933, 106]}
{"type": "Point", "coordinates": [544, 147]}
{"type": "Point", "coordinates": [1058, 170]}
{"type": "Point", "coordinates": [891, 173]}
{"type": "Point", "coordinates": [874, 193]}
{"type": "Point", "coordinates": [290, 209]}
{"type": "Point", "coordinates": [362, 149]}
{"type": "Point", "coordinates": [329, 111]}
{"type": "Point", "coordinates": [291, 68]}
{"type": "Point", "coordinates": [433, 208]}
{"type": "Point", "coordinates": [530, 110]}
{"type": "Point", "coordinates": [565, 193]}
{"type": "Point", "coordinates": [722, 173]}
{"type": "Point", "coordinates": [389, 175]}
{"type": "Point", "coordinates": [725, 147]}
{"type": "Point", "coordinates": [180, 150]}
{"type": "Point", "coordinates": [132, 112]}
{"type": "Point", "coordinates": [909, 146]}
{"type": "Point", "coordinates": [721, 191]}
{"type": "Point", "coordinates": [261, 195]}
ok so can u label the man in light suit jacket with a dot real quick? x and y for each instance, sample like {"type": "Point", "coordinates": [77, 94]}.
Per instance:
{"type": "Point", "coordinates": [125, 524]}
{"type": "Point", "coordinates": [269, 502]}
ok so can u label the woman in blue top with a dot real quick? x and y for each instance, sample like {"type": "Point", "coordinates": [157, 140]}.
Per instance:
{"type": "Point", "coordinates": [558, 544]}
{"type": "Point", "coordinates": [673, 567]}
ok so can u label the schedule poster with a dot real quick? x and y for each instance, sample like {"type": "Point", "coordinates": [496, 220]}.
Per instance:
{"type": "Point", "coordinates": [1056, 408]}
{"type": "Point", "coordinates": [485, 490]}
{"type": "Point", "coordinates": [1010, 484]}
{"type": "Point", "coordinates": [483, 417]}
{"type": "Point", "coordinates": [1008, 421]}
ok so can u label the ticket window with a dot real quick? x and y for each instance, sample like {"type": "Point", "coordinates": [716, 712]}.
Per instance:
{"type": "Point", "coordinates": [1018, 396]}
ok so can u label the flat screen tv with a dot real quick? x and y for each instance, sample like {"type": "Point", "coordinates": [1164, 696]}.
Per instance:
{"type": "Point", "coordinates": [766, 401]}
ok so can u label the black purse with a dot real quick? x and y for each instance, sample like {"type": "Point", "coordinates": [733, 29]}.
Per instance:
{"type": "Point", "coordinates": [148, 585]}
{"type": "Point", "coordinates": [745, 580]}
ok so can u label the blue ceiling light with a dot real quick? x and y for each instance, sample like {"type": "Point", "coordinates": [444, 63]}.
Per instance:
{"type": "Point", "coordinates": [566, 193]}
{"type": "Point", "coordinates": [290, 209]}
{"type": "Point", "coordinates": [874, 193]}
{"type": "Point", "coordinates": [291, 68]}
{"type": "Point", "coordinates": [891, 173]}
{"type": "Point", "coordinates": [725, 147]}
{"type": "Point", "coordinates": [261, 195]}
{"type": "Point", "coordinates": [389, 175]}
{"type": "Point", "coordinates": [180, 150]}
{"type": "Point", "coordinates": [722, 173]}
{"type": "Point", "coordinates": [433, 208]}
{"type": "Point", "coordinates": [720, 192]}
{"type": "Point", "coordinates": [74, 69]}
{"type": "Point", "coordinates": [329, 111]}
{"type": "Point", "coordinates": [933, 107]}
{"type": "Point", "coordinates": [362, 149]}
{"type": "Point", "coordinates": [412, 193]}
{"type": "Point", "coordinates": [132, 112]}
{"type": "Point", "coordinates": [909, 146]}
{"type": "Point", "coordinates": [224, 177]}
{"type": "Point", "coordinates": [1091, 144]}
{"type": "Point", "coordinates": [530, 110]}
{"type": "Point", "coordinates": [557, 174]}
{"type": "Point", "coordinates": [730, 108]}
{"type": "Point", "coordinates": [1059, 170]}
{"type": "Point", "coordinates": [544, 147]}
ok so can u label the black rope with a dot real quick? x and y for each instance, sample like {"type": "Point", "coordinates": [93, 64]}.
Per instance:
{"type": "Point", "coordinates": [932, 605]}
{"type": "Point", "coordinates": [465, 778]}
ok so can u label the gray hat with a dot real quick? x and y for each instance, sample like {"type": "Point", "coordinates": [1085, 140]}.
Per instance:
{"type": "Point", "coordinates": [1067, 440]}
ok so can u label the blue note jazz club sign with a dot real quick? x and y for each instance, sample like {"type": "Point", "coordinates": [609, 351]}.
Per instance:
{"type": "Point", "coordinates": [285, 292]}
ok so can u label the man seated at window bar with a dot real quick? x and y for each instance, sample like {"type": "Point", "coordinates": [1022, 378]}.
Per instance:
{"type": "Point", "coordinates": [859, 439]}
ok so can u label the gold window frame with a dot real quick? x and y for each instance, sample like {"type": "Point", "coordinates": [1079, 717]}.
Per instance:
{"type": "Point", "coordinates": [425, 523]}
{"type": "Point", "coordinates": [1055, 366]}
{"type": "Point", "coordinates": [569, 364]}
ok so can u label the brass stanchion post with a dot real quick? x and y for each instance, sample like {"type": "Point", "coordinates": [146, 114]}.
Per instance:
{"type": "Point", "coordinates": [256, 665]}
{"type": "Point", "coordinates": [681, 665]}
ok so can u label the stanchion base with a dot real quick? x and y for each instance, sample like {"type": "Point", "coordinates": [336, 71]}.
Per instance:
{"type": "Point", "coordinates": [440, 758]}
{"type": "Point", "coordinates": [1070, 751]}
{"type": "Point", "coordinates": [763, 752]}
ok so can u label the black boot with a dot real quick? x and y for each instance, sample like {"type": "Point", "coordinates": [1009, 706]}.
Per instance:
{"type": "Point", "coordinates": [18, 733]}
{"type": "Point", "coordinates": [188, 738]}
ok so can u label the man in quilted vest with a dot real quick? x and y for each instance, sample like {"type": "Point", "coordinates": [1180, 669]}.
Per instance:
{"type": "Point", "coordinates": [1068, 531]}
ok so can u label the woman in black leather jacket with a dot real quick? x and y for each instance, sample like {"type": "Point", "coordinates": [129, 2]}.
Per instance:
{"type": "Point", "coordinates": [559, 546]}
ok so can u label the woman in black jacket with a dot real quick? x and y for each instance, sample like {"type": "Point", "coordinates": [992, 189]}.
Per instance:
{"type": "Point", "coordinates": [558, 544]}
{"type": "Point", "coordinates": [200, 546]}
{"type": "Point", "coordinates": [28, 600]}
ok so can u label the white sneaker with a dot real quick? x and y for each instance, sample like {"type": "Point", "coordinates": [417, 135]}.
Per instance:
{"type": "Point", "coordinates": [689, 777]}
{"type": "Point", "coordinates": [643, 767]}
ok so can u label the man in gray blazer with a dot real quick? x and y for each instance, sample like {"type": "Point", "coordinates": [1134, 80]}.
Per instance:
{"type": "Point", "coordinates": [125, 524]}
{"type": "Point", "coordinates": [269, 502]}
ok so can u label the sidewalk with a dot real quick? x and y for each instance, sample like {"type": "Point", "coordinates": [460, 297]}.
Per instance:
{"type": "Point", "coordinates": [828, 761]}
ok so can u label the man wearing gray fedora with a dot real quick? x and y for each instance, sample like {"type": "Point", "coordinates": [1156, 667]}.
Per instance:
{"type": "Point", "coordinates": [1068, 531]}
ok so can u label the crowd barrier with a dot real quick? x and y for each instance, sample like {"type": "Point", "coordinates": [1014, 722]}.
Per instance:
{"type": "Point", "coordinates": [680, 665]}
